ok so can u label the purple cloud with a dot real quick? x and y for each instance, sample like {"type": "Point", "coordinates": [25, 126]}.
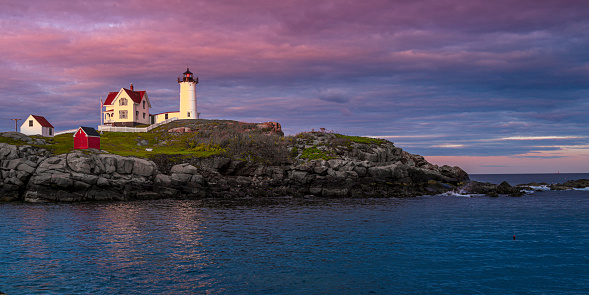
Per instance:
{"type": "Point", "coordinates": [468, 71]}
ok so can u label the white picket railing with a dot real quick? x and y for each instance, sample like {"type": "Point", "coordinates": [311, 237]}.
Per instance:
{"type": "Point", "coordinates": [150, 127]}
{"type": "Point", "coordinates": [109, 128]}
{"type": "Point", "coordinates": [123, 129]}
{"type": "Point", "coordinates": [66, 131]}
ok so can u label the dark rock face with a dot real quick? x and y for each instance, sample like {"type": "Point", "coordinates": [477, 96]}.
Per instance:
{"type": "Point", "coordinates": [492, 190]}
{"type": "Point", "coordinates": [360, 170]}
{"type": "Point", "coordinates": [79, 176]}
{"type": "Point", "coordinates": [571, 184]}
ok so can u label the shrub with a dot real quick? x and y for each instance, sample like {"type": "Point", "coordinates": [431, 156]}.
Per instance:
{"type": "Point", "coordinates": [256, 147]}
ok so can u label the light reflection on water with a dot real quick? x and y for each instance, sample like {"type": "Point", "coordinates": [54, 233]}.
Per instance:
{"type": "Point", "coordinates": [350, 246]}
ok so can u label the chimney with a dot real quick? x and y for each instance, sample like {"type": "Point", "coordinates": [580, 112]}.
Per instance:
{"type": "Point", "coordinates": [131, 87]}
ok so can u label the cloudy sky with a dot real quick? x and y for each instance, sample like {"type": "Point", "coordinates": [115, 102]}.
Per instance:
{"type": "Point", "coordinates": [491, 86]}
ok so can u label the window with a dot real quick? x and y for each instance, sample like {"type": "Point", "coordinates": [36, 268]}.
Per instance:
{"type": "Point", "coordinates": [137, 114]}
{"type": "Point", "coordinates": [123, 101]}
{"type": "Point", "coordinates": [50, 131]}
{"type": "Point", "coordinates": [143, 115]}
{"type": "Point", "coordinates": [144, 106]}
{"type": "Point", "coordinates": [188, 114]}
{"type": "Point", "coordinates": [30, 123]}
{"type": "Point", "coordinates": [122, 114]}
{"type": "Point", "coordinates": [166, 116]}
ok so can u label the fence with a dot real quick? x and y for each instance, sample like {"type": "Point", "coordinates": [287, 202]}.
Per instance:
{"type": "Point", "coordinates": [66, 131]}
{"type": "Point", "coordinates": [134, 129]}
{"type": "Point", "coordinates": [122, 129]}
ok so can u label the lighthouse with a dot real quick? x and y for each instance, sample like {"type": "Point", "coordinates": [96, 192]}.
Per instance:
{"type": "Point", "coordinates": [188, 96]}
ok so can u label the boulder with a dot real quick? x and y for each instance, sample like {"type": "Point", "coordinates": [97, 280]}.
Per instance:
{"type": "Point", "coordinates": [125, 165]}
{"type": "Point", "coordinates": [79, 162]}
{"type": "Point", "coordinates": [143, 167]}
{"type": "Point", "coordinates": [299, 176]}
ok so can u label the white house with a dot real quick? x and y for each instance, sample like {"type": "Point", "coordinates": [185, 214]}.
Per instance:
{"type": "Point", "coordinates": [37, 125]}
{"type": "Point", "coordinates": [187, 100]}
{"type": "Point", "coordinates": [126, 108]}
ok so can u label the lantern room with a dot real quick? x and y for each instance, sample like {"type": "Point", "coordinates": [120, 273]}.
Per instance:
{"type": "Point", "coordinates": [188, 76]}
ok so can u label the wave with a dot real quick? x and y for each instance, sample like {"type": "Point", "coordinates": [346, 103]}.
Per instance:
{"type": "Point", "coordinates": [459, 193]}
{"type": "Point", "coordinates": [537, 188]}
{"type": "Point", "coordinates": [540, 188]}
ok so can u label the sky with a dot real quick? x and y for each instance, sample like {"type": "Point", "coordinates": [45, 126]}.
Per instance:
{"type": "Point", "coordinates": [490, 86]}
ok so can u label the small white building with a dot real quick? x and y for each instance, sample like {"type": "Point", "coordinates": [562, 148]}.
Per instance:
{"type": "Point", "coordinates": [126, 108]}
{"type": "Point", "coordinates": [37, 125]}
{"type": "Point", "coordinates": [157, 118]}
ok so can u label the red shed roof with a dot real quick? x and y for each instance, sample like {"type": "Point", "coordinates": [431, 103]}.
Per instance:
{"type": "Point", "coordinates": [42, 121]}
{"type": "Point", "coordinates": [91, 132]}
{"type": "Point", "coordinates": [136, 96]}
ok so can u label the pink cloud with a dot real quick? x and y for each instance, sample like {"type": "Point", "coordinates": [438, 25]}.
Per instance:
{"type": "Point", "coordinates": [457, 68]}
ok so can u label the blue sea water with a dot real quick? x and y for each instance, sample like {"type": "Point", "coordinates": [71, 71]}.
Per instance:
{"type": "Point", "coordinates": [424, 245]}
{"type": "Point", "coordinates": [515, 179]}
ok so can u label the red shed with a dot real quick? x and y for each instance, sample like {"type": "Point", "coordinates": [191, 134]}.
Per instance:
{"type": "Point", "coordinates": [86, 138]}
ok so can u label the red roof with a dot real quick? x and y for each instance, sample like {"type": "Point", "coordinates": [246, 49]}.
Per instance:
{"type": "Point", "coordinates": [136, 96]}
{"type": "Point", "coordinates": [109, 99]}
{"type": "Point", "coordinates": [42, 121]}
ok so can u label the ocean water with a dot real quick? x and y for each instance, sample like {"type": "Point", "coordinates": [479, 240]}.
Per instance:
{"type": "Point", "coordinates": [424, 245]}
{"type": "Point", "coordinates": [515, 179]}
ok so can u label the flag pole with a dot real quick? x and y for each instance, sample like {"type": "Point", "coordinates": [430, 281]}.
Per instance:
{"type": "Point", "coordinates": [101, 115]}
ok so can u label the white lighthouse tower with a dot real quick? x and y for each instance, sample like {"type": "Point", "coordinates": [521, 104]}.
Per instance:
{"type": "Point", "coordinates": [188, 96]}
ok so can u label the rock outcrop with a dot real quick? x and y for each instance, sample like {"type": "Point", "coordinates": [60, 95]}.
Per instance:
{"type": "Point", "coordinates": [493, 190]}
{"type": "Point", "coordinates": [339, 168]}
{"type": "Point", "coordinates": [571, 184]}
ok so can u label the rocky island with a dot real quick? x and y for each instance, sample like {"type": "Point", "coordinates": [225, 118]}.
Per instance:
{"type": "Point", "coordinates": [217, 158]}
{"type": "Point", "coordinates": [190, 159]}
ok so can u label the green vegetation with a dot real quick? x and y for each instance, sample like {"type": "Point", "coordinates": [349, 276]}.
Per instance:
{"type": "Point", "coordinates": [315, 154]}
{"type": "Point", "coordinates": [126, 144]}
{"type": "Point", "coordinates": [11, 141]}
{"type": "Point", "coordinates": [61, 144]}
{"type": "Point", "coordinates": [204, 138]}
{"type": "Point", "coordinates": [360, 139]}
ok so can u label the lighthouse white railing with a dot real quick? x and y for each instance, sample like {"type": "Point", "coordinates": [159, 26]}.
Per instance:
{"type": "Point", "coordinates": [109, 128]}
{"type": "Point", "coordinates": [66, 131]}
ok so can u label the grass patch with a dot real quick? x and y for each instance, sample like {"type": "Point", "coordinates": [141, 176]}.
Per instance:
{"type": "Point", "coordinates": [125, 144]}
{"type": "Point", "coordinates": [12, 141]}
{"type": "Point", "coordinates": [61, 144]}
{"type": "Point", "coordinates": [207, 138]}
{"type": "Point", "coordinates": [360, 139]}
{"type": "Point", "coordinates": [315, 154]}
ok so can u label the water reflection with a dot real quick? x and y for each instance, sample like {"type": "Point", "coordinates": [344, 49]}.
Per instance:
{"type": "Point", "coordinates": [165, 238]}
{"type": "Point", "coordinates": [136, 243]}
{"type": "Point", "coordinates": [388, 246]}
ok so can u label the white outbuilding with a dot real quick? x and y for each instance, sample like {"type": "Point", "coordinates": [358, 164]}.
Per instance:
{"type": "Point", "coordinates": [37, 125]}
